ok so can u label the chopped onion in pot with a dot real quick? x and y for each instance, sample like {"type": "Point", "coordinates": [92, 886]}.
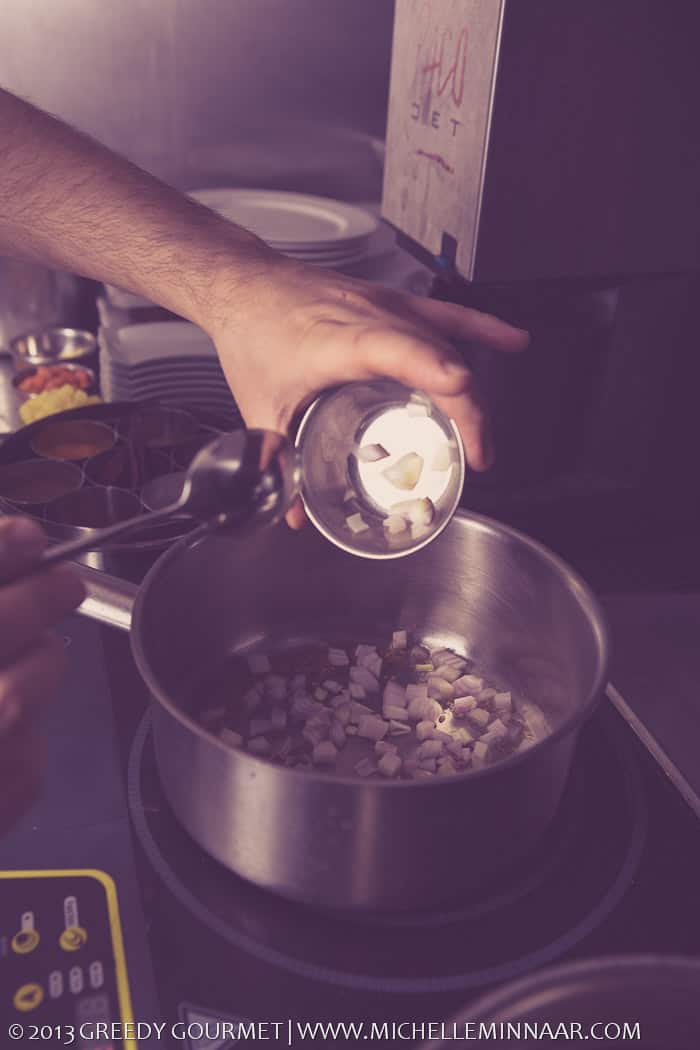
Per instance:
{"type": "Point", "coordinates": [414, 713]}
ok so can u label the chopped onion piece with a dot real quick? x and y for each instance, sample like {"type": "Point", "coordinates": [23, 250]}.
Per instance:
{"type": "Point", "coordinates": [489, 694]}
{"type": "Point", "coordinates": [356, 523]}
{"type": "Point", "coordinates": [422, 774]}
{"type": "Point", "coordinates": [227, 736]}
{"type": "Point", "coordinates": [340, 699]}
{"type": "Point", "coordinates": [439, 689]}
{"type": "Point", "coordinates": [363, 650]}
{"type": "Point", "coordinates": [259, 746]}
{"type": "Point", "coordinates": [361, 676]}
{"type": "Point", "coordinates": [338, 658]}
{"type": "Point", "coordinates": [342, 714]}
{"type": "Point", "coordinates": [383, 747]}
{"type": "Point", "coordinates": [365, 767]}
{"type": "Point", "coordinates": [446, 768]}
{"type": "Point", "coordinates": [450, 672]}
{"type": "Point", "coordinates": [479, 754]}
{"type": "Point", "coordinates": [395, 524]}
{"type": "Point", "coordinates": [463, 705]}
{"type": "Point", "coordinates": [416, 511]}
{"type": "Point", "coordinates": [399, 640]}
{"type": "Point", "coordinates": [302, 707]}
{"type": "Point", "coordinates": [427, 764]}
{"type": "Point", "coordinates": [416, 691]}
{"type": "Point", "coordinates": [358, 711]}
{"type": "Point", "coordinates": [430, 749]}
{"type": "Point", "coordinates": [330, 686]}
{"type": "Point", "coordinates": [337, 735]}
{"type": "Point", "coordinates": [468, 685]}
{"type": "Point", "coordinates": [320, 694]}
{"type": "Point", "coordinates": [479, 717]}
{"type": "Point", "coordinates": [420, 710]}
{"type": "Point", "coordinates": [356, 691]}
{"type": "Point", "coordinates": [501, 701]}
{"type": "Point", "coordinates": [399, 714]}
{"type": "Point", "coordinates": [425, 730]}
{"type": "Point", "coordinates": [406, 472]}
{"type": "Point", "coordinates": [324, 753]}
{"type": "Point", "coordinates": [371, 453]}
{"type": "Point", "coordinates": [252, 697]}
{"type": "Point", "coordinates": [442, 458]}
{"type": "Point", "coordinates": [398, 728]}
{"type": "Point", "coordinates": [351, 730]}
{"type": "Point", "coordinates": [463, 737]}
{"type": "Point", "coordinates": [394, 694]}
{"type": "Point", "coordinates": [371, 727]}
{"type": "Point", "coordinates": [389, 764]}
{"type": "Point", "coordinates": [442, 736]}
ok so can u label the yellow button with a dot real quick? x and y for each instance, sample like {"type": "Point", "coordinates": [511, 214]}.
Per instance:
{"type": "Point", "coordinates": [25, 942]}
{"type": "Point", "coordinates": [72, 938]}
{"type": "Point", "coordinates": [28, 997]}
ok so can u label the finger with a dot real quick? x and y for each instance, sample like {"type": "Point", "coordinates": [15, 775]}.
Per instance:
{"type": "Point", "coordinates": [29, 607]}
{"type": "Point", "coordinates": [464, 324]}
{"type": "Point", "coordinates": [30, 681]}
{"type": "Point", "coordinates": [296, 515]}
{"type": "Point", "coordinates": [21, 542]}
{"type": "Point", "coordinates": [396, 351]}
{"type": "Point", "coordinates": [469, 417]}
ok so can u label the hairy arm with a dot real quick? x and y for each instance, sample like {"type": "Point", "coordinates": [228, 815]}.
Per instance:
{"type": "Point", "coordinates": [67, 201]}
{"type": "Point", "coordinates": [284, 331]}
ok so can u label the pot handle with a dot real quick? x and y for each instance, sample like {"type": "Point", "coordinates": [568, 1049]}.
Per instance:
{"type": "Point", "coordinates": [109, 600]}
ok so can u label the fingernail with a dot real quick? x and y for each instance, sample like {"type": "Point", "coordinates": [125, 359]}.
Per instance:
{"type": "Point", "coordinates": [20, 537]}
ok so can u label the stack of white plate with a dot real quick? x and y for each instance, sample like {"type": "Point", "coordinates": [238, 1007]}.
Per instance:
{"type": "Point", "coordinates": [171, 361]}
{"type": "Point", "coordinates": [319, 230]}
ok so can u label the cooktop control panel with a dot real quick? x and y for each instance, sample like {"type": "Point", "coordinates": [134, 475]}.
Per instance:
{"type": "Point", "coordinates": [62, 965]}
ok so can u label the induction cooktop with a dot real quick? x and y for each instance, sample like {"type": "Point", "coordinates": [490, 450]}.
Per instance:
{"type": "Point", "coordinates": [165, 936]}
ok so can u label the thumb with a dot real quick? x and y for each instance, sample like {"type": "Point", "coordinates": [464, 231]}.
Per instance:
{"type": "Point", "coordinates": [21, 542]}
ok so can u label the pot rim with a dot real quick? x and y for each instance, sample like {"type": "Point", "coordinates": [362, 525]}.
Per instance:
{"type": "Point", "coordinates": [572, 722]}
{"type": "Point", "coordinates": [607, 968]}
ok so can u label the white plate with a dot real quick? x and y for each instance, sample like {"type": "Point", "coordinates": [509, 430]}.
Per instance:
{"type": "Point", "coordinates": [291, 220]}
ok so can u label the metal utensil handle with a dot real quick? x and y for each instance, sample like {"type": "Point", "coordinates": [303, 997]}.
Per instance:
{"type": "Point", "coordinates": [94, 539]}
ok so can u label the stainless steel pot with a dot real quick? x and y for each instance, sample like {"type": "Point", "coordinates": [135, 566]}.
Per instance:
{"type": "Point", "coordinates": [514, 607]}
{"type": "Point", "coordinates": [656, 992]}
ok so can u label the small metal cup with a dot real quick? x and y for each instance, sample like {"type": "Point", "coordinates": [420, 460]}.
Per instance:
{"type": "Point", "coordinates": [30, 484]}
{"type": "Point", "coordinates": [75, 440]}
{"type": "Point", "coordinates": [126, 467]}
{"type": "Point", "coordinates": [47, 346]}
{"type": "Point", "coordinates": [352, 442]}
{"type": "Point", "coordinates": [162, 428]}
{"type": "Point", "coordinates": [94, 508]}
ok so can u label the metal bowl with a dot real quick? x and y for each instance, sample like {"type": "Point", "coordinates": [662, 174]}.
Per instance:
{"type": "Point", "coordinates": [25, 373]}
{"type": "Point", "coordinates": [46, 346]}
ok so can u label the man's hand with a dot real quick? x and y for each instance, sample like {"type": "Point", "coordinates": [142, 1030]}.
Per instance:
{"type": "Point", "coordinates": [295, 329]}
{"type": "Point", "coordinates": [32, 659]}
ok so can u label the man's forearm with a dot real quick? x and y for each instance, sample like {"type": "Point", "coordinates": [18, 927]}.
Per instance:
{"type": "Point", "coordinates": [71, 203]}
